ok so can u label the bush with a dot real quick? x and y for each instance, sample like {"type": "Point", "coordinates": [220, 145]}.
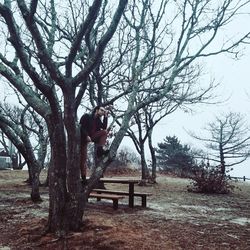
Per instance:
{"type": "Point", "coordinates": [209, 179]}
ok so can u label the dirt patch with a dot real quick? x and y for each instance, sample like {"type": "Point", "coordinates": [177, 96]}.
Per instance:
{"type": "Point", "coordinates": [174, 219]}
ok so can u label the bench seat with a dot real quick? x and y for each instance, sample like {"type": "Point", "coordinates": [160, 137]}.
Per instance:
{"type": "Point", "coordinates": [119, 192]}
{"type": "Point", "coordinates": [112, 197]}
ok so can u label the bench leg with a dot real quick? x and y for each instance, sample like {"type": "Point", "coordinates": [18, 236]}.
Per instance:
{"type": "Point", "coordinates": [131, 195]}
{"type": "Point", "coordinates": [115, 204]}
{"type": "Point", "coordinates": [144, 201]}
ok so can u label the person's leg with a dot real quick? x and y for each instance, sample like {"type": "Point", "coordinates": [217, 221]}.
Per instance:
{"type": "Point", "coordinates": [100, 138]}
{"type": "Point", "coordinates": [83, 161]}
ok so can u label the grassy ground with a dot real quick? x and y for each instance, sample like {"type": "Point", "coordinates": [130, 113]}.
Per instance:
{"type": "Point", "coordinates": [174, 219]}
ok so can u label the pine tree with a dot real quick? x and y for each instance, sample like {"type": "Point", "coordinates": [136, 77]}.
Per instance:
{"type": "Point", "coordinates": [172, 156]}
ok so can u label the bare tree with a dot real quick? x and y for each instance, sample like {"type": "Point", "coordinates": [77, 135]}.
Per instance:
{"type": "Point", "coordinates": [15, 129]}
{"type": "Point", "coordinates": [229, 140]}
{"type": "Point", "coordinates": [36, 37]}
{"type": "Point", "coordinates": [30, 123]}
{"type": "Point", "coordinates": [148, 74]}
{"type": "Point", "coordinates": [141, 131]}
{"type": "Point", "coordinates": [52, 64]}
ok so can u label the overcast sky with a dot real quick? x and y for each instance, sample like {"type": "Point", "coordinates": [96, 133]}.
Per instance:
{"type": "Point", "coordinates": [234, 77]}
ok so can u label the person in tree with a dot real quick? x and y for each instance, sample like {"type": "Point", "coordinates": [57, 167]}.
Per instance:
{"type": "Point", "coordinates": [93, 129]}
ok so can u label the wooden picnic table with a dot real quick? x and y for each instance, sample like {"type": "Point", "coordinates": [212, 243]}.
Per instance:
{"type": "Point", "coordinates": [131, 183]}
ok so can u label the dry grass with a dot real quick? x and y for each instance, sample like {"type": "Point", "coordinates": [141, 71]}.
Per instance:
{"type": "Point", "coordinates": [174, 219]}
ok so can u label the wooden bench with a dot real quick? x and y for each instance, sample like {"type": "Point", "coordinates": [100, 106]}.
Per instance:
{"type": "Point", "coordinates": [112, 197]}
{"type": "Point", "coordinates": [118, 192]}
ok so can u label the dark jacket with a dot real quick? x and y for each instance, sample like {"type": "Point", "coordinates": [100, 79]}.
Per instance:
{"type": "Point", "coordinates": [87, 123]}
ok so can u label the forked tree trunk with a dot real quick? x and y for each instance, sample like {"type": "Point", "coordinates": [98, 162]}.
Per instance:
{"type": "Point", "coordinates": [66, 204]}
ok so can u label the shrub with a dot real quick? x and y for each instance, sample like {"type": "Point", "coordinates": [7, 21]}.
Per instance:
{"type": "Point", "coordinates": [209, 179]}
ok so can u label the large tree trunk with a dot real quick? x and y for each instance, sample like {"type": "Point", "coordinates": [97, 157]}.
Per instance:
{"type": "Point", "coordinates": [66, 198]}
{"type": "Point", "coordinates": [57, 178]}
{"type": "Point", "coordinates": [76, 199]}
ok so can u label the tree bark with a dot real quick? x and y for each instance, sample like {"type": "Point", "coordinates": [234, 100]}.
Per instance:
{"type": "Point", "coordinates": [153, 157]}
{"type": "Point", "coordinates": [222, 160]}
{"type": "Point", "coordinates": [57, 178]}
{"type": "Point", "coordinates": [66, 198]}
{"type": "Point", "coordinates": [144, 168]}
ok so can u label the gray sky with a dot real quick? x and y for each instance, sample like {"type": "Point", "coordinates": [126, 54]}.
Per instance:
{"type": "Point", "coordinates": [234, 77]}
